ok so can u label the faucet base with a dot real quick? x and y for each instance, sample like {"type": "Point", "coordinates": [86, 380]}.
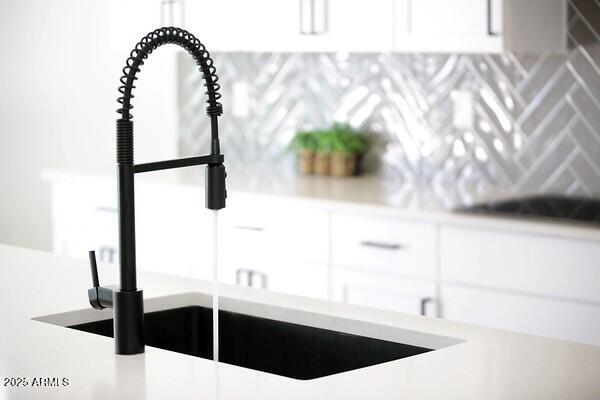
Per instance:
{"type": "Point", "coordinates": [128, 312]}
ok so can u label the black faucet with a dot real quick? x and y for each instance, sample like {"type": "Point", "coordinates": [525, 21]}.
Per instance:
{"type": "Point", "coordinates": [127, 300]}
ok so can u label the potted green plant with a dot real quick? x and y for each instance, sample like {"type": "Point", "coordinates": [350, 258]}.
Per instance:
{"type": "Point", "coordinates": [323, 153]}
{"type": "Point", "coordinates": [334, 151]}
{"type": "Point", "coordinates": [305, 145]}
{"type": "Point", "coordinates": [347, 145]}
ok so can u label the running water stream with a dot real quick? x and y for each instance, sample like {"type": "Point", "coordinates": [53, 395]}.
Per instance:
{"type": "Point", "coordinates": [215, 294]}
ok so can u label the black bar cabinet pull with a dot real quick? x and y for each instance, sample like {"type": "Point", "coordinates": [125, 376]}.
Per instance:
{"type": "Point", "coordinates": [490, 31]}
{"type": "Point", "coordinates": [381, 245]}
{"type": "Point", "coordinates": [424, 302]}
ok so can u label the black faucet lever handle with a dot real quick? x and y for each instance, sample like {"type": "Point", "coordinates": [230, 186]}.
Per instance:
{"type": "Point", "coordinates": [94, 268]}
{"type": "Point", "coordinates": [100, 297]}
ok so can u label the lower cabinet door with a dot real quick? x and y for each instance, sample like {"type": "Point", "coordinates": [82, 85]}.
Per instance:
{"type": "Point", "coordinates": [373, 289]}
{"type": "Point", "coordinates": [296, 278]}
{"type": "Point", "coordinates": [574, 321]}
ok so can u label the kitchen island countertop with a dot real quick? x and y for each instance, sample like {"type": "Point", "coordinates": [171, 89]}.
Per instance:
{"type": "Point", "coordinates": [486, 364]}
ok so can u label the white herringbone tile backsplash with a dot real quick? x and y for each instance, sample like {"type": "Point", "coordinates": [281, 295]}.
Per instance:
{"type": "Point", "coordinates": [537, 117]}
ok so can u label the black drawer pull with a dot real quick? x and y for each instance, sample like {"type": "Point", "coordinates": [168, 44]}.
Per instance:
{"type": "Point", "coordinates": [382, 245]}
{"type": "Point", "coordinates": [250, 228]}
{"type": "Point", "coordinates": [423, 305]}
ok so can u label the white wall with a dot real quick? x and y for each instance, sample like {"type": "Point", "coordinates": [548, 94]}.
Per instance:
{"type": "Point", "coordinates": [58, 86]}
{"type": "Point", "coordinates": [54, 108]}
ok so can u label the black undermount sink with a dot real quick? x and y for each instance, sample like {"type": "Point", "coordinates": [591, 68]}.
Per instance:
{"type": "Point", "coordinates": [282, 348]}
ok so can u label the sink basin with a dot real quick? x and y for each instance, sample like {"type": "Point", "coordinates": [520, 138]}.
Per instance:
{"type": "Point", "coordinates": [282, 348]}
{"type": "Point", "coordinates": [302, 347]}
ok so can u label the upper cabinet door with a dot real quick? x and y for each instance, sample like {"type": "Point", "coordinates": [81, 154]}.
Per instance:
{"type": "Point", "coordinates": [456, 17]}
{"type": "Point", "coordinates": [358, 26]}
{"type": "Point", "coordinates": [292, 25]}
{"type": "Point", "coordinates": [241, 25]}
{"type": "Point", "coordinates": [480, 26]}
{"type": "Point", "coordinates": [449, 26]}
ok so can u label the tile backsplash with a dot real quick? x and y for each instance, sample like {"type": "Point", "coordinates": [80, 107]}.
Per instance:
{"type": "Point", "coordinates": [536, 117]}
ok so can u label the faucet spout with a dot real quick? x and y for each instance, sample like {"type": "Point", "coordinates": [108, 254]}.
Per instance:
{"type": "Point", "coordinates": [127, 300]}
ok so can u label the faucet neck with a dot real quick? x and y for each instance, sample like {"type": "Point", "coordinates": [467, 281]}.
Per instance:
{"type": "Point", "coordinates": [140, 52]}
{"type": "Point", "coordinates": [125, 164]}
{"type": "Point", "coordinates": [127, 302]}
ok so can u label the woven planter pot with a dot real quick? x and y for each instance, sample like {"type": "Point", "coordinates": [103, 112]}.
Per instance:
{"type": "Point", "coordinates": [307, 162]}
{"type": "Point", "coordinates": [343, 164]}
{"type": "Point", "coordinates": [323, 163]}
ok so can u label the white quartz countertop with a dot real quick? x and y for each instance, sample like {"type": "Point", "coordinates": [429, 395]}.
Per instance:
{"type": "Point", "coordinates": [486, 364]}
{"type": "Point", "coordinates": [368, 194]}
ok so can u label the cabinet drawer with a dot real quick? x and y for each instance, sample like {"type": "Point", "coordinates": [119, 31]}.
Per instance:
{"type": "Point", "coordinates": [173, 230]}
{"type": "Point", "coordinates": [566, 320]}
{"type": "Point", "coordinates": [546, 265]}
{"type": "Point", "coordinates": [386, 244]}
{"type": "Point", "coordinates": [275, 233]}
{"type": "Point", "coordinates": [382, 291]}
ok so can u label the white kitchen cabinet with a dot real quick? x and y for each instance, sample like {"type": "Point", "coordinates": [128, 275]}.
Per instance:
{"type": "Point", "coordinates": [441, 26]}
{"type": "Point", "coordinates": [268, 245]}
{"type": "Point", "coordinates": [238, 25]}
{"type": "Point", "coordinates": [285, 276]}
{"type": "Point", "coordinates": [351, 26]}
{"type": "Point", "coordinates": [103, 226]}
{"type": "Point", "coordinates": [172, 227]}
{"type": "Point", "coordinates": [507, 275]}
{"type": "Point", "coordinates": [380, 290]}
{"type": "Point", "coordinates": [253, 228]}
{"type": "Point", "coordinates": [545, 265]}
{"type": "Point", "coordinates": [481, 26]}
{"type": "Point", "coordinates": [77, 241]}
{"type": "Point", "coordinates": [389, 245]}
{"type": "Point", "coordinates": [173, 230]}
{"type": "Point", "coordinates": [292, 25]}
{"type": "Point", "coordinates": [84, 218]}
{"type": "Point", "coordinates": [539, 284]}
{"type": "Point", "coordinates": [575, 321]}
{"type": "Point", "coordinates": [358, 26]}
